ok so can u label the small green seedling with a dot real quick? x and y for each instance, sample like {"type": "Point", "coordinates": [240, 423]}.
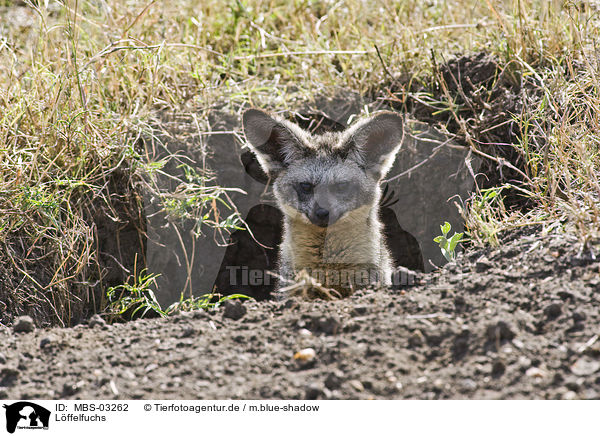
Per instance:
{"type": "Point", "coordinates": [448, 246]}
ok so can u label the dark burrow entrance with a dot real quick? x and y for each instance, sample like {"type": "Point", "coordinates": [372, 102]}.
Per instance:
{"type": "Point", "coordinates": [246, 259]}
{"type": "Point", "coordinates": [433, 173]}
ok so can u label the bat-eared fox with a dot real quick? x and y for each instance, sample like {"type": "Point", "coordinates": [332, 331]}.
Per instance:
{"type": "Point", "coordinates": [328, 189]}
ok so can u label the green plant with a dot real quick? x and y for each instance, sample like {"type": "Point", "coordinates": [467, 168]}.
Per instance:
{"type": "Point", "coordinates": [138, 300]}
{"type": "Point", "coordinates": [448, 246]}
{"type": "Point", "coordinates": [204, 302]}
{"type": "Point", "coordinates": [196, 199]}
{"type": "Point", "coordinates": [127, 300]}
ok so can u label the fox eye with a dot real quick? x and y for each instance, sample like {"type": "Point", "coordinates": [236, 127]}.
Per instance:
{"type": "Point", "coordinates": [306, 187]}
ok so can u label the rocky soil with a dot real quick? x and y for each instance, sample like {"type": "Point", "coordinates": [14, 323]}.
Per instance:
{"type": "Point", "coordinates": [521, 321]}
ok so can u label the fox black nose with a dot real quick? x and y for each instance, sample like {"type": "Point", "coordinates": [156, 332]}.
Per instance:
{"type": "Point", "coordinates": [321, 213]}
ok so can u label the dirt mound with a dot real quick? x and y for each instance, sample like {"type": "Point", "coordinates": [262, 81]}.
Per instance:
{"type": "Point", "coordinates": [514, 322]}
{"type": "Point", "coordinates": [476, 99]}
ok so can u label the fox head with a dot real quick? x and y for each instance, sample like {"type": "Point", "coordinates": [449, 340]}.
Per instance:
{"type": "Point", "coordinates": [322, 179]}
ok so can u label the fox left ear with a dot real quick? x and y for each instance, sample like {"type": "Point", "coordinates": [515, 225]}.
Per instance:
{"type": "Point", "coordinates": [274, 142]}
{"type": "Point", "coordinates": [377, 140]}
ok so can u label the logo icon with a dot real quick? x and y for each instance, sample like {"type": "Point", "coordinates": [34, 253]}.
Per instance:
{"type": "Point", "coordinates": [26, 415]}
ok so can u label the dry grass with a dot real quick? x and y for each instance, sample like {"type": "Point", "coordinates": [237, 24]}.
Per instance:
{"type": "Point", "coordinates": [82, 81]}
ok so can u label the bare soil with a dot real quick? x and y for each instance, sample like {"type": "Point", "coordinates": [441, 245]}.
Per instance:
{"type": "Point", "coordinates": [520, 321]}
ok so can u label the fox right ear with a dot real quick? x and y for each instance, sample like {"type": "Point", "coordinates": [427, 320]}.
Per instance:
{"type": "Point", "coordinates": [272, 140]}
{"type": "Point", "coordinates": [378, 139]}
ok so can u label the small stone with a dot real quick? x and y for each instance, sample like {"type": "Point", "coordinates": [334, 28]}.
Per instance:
{"type": "Point", "coordinates": [305, 355]}
{"type": "Point", "coordinates": [535, 372]}
{"type": "Point", "coordinates": [518, 343]}
{"type": "Point", "coordinates": [71, 389]}
{"type": "Point", "coordinates": [304, 332]}
{"type": "Point", "coordinates": [181, 316]}
{"type": "Point", "coordinates": [96, 320]}
{"type": "Point", "coordinates": [356, 385]}
{"type": "Point", "coordinates": [468, 384]}
{"type": "Point", "coordinates": [460, 346]}
{"type": "Point", "coordinates": [576, 327]}
{"type": "Point", "coordinates": [549, 258]}
{"type": "Point", "coordinates": [460, 304]}
{"type": "Point", "coordinates": [579, 317]}
{"type": "Point", "coordinates": [483, 265]}
{"type": "Point", "coordinates": [483, 368]}
{"type": "Point", "coordinates": [329, 325]}
{"type": "Point", "coordinates": [187, 332]}
{"type": "Point", "coordinates": [499, 331]}
{"type": "Point", "coordinates": [569, 395]}
{"type": "Point", "coordinates": [8, 376]}
{"type": "Point", "coordinates": [574, 384]}
{"type": "Point", "coordinates": [334, 380]}
{"type": "Point", "coordinates": [358, 311]}
{"type": "Point", "coordinates": [234, 309]}
{"type": "Point", "coordinates": [200, 314]}
{"type": "Point", "coordinates": [113, 387]}
{"type": "Point", "coordinates": [451, 267]}
{"type": "Point", "coordinates": [150, 367]}
{"type": "Point", "coordinates": [585, 366]}
{"type": "Point", "coordinates": [553, 310]}
{"type": "Point", "coordinates": [557, 378]}
{"type": "Point", "coordinates": [566, 295]}
{"type": "Point", "coordinates": [524, 362]}
{"type": "Point", "coordinates": [416, 339]}
{"type": "Point", "coordinates": [313, 391]}
{"type": "Point", "coordinates": [390, 377]}
{"type": "Point", "coordinates": [47, 342]}
{"type": "Point", "coordinates": [23, 324]}
{"type": "Point", "coordinates": [367, 384]}
{"type": "Point", "coordinates": [2, 359]}
{"type": "Point", "coordinates": [498, 368]}
{"type": "Point", "coordinates": [290, 303]}
{"type": "Point", "coordinates": [351, 326]}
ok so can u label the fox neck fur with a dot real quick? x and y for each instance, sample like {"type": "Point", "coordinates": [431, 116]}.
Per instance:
{"type": "Point", "coordinates": [348, 254]}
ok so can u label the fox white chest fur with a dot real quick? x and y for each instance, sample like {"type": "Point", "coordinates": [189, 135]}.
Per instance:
{"type": "Point", "coordinates": [328, 188]}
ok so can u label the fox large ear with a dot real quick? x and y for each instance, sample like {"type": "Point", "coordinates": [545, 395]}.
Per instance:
{"type": "Point", "coordinates": [273, 141]}
{"type": "Point", "coordinates": [377, 140]}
